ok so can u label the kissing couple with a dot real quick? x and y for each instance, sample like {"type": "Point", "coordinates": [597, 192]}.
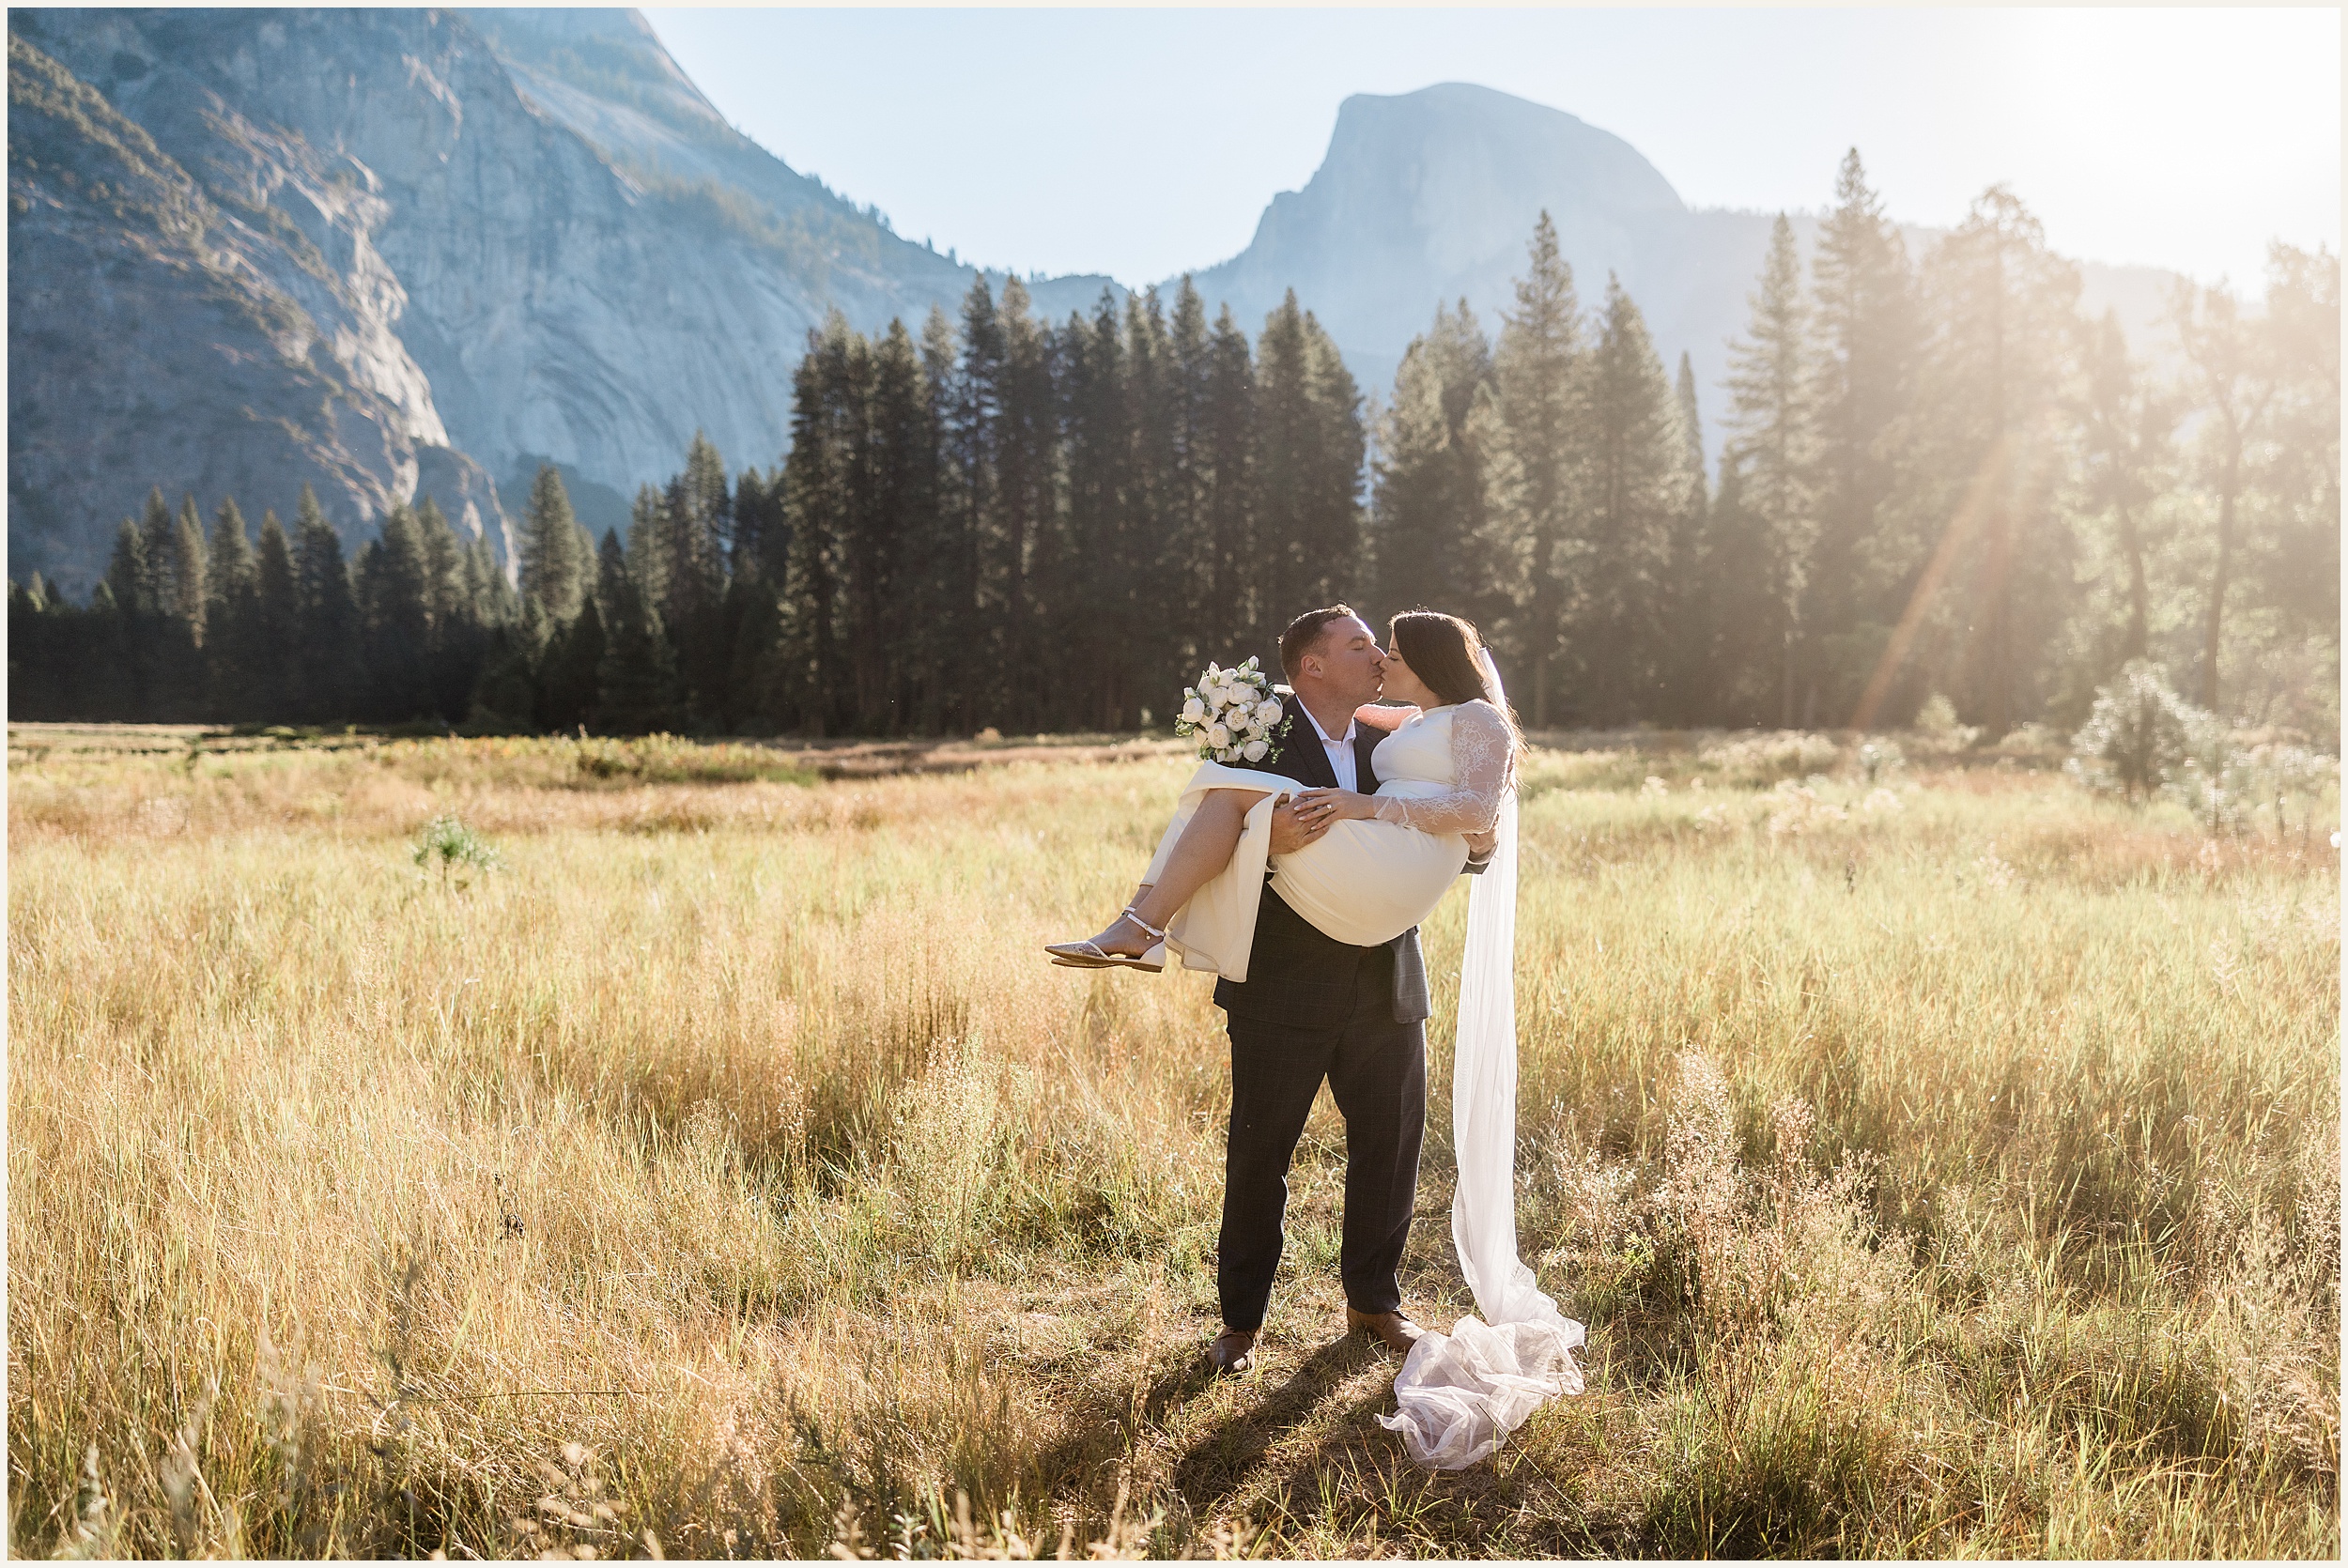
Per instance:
{"type": "Point", "coordinates": [1306, 903]}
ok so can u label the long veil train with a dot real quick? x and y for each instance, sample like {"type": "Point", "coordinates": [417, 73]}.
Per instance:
{"type": "Point", "coordinates": [1458, 1395]}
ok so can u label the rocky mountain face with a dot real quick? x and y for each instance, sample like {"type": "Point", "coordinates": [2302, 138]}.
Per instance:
{"type": "Point", "coordinates": [195, 332]}
{"type": "Point", "coordinates": [1428, 198]}
{"type": "Point", "coordinates": [402, 252]}
{"type": "Point", "coordinates": [393, 253]}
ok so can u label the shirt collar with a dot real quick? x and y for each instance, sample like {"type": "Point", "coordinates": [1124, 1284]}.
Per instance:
{"type": "Point", "coordinates": [1349, 726]}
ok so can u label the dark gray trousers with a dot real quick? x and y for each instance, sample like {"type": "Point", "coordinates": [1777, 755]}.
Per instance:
{"type": "Point", "coordinates": [1377, 1071]}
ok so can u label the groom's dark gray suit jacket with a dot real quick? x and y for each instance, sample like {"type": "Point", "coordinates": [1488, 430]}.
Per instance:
{"type": "Point", "coordinates": [1290, 976]}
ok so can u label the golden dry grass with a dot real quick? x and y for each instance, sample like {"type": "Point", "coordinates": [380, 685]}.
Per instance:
{"type": "Point", "coordinates": [1950, 1170]}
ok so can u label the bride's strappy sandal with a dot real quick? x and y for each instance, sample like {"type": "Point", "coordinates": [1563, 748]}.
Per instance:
{"type": "Point", "coordinates": [1091, 955]}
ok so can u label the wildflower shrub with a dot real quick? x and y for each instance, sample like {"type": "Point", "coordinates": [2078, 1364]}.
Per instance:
{"type": "Point", "coordinates": [1952, 1171]}
{"type": "Point", "coordinates": [2140, 733]}
{"type": "Point", "coordinates": [2141, 739]}
{"type": "Point", "coordinates": [448, 846]}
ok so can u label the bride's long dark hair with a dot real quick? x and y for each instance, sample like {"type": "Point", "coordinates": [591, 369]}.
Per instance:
{"type": "Point", "coordinates": [1447, 654]}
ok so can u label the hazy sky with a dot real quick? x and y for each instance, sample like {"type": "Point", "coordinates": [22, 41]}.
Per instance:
{"type": "Point", "coordinates": [1138, 142]}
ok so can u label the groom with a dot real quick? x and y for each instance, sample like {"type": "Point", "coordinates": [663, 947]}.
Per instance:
{"type": "Point", "coordinates": [1313, 1007]}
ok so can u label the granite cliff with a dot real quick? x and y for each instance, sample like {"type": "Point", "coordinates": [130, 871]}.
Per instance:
{"type": "Point", "coordinates": [392, 252]}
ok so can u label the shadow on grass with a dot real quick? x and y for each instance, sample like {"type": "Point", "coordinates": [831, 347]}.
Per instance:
{"type": "Point", "coordinates": [1221, 1462]}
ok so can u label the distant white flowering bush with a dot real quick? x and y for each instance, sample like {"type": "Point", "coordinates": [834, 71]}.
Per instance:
{"type": "Point", "coordinates": [2141, 735]}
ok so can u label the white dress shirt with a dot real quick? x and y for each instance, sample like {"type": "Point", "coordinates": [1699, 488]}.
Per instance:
{"type": "Point", "coordinates": [1341, 757]}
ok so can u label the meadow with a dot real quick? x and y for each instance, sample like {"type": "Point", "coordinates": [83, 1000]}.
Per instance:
{"type": "Point", "coordinates": [497, 1147]}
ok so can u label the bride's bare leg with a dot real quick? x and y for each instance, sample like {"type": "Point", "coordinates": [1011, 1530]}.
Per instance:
{"type": "Point", "coordinates": [1199, 854]}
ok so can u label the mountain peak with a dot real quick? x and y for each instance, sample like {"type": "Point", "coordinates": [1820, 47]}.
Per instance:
{"type": "Point", "coordinates": [1480, 137]}
{"type": "Point", "coordinates": [1430, 195]}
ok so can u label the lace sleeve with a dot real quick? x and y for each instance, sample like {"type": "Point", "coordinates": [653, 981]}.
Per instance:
{"type": "Point", "coordinates": [1483, 763]}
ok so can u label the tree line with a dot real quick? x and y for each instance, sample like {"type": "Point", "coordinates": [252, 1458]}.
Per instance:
{"type": "Point", "coordinates": [1937, 477]}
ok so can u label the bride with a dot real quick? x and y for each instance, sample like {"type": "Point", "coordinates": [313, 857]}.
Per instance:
{"type": "Point", "coordinates": [1446, 771]}
{"type": "Point", "coordinates": [1384, 861]}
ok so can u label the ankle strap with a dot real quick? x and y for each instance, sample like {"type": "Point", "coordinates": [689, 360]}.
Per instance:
{"type": "Point", "coordinates": [1145, 925]}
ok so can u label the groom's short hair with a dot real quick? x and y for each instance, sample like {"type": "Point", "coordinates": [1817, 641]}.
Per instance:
{"type": "Point", "coordinates": [1303, 635]}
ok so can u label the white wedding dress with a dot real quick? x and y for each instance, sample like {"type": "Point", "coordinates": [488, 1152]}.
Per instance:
{"type": "Point", "coordinates": [1445, 773]}
{"type": "Point", "coordinates": [1365, 882]}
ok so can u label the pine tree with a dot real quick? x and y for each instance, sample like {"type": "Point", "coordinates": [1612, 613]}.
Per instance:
{"type": "Point", "coordinates": [1236, 610]}
{"type": "Point", "coordinates": [556, 562]}
{"type": "Point", "coordinates": [505, 697]}
{"type": "Point", "coordinates": [648, 548]}
{"type": "Point", "coordinates": [1097, 586]}
{"type": "Point", "coordinates": [1686, 608]}
{"type": "Point", "coordinates": [187, 575]}
{"type": "Point", "coordinates": [698, 532]}
{"type": "Point", "coordinates": [762, 539]}
{"type": "Point", "coordinates": [1284, 441]}
{"type": "Point", "coordinates": [154, 594]}
{"type": "Point", "coordinates": [1184, 569]}
{"type": "Point", "coordinates": [944, 598]}
{"type": "Point", "coordinates": [458, 637]}
{"type": "Point", "coordinates": [973, 430]}
{"type": "Point", "coordinates": [1025, 448]}
{"type": "Point", "coordinates": [488, 590]}
{"type": "Point", "coordinates": [1615, 636]}
{"type": "Point", "coordinates": [136, 628]}
{"type": "Point", "coordinates": [1333, 516]}
{"type": "Point", "coordinates": [2124, 427]}
{"type": "Point", "coordinates": [1308, 451]}
{"type": "Point", "coordinates": [2295, 563]}
{"type": "Point", "coordinates": [1769, 410]}
{"type": "Point", "coordinates": [1538, 374]}
{"type": "Point", "coordinates": [277, 615]}
{"type": "Point", "coordinates": [1428, 507]}
{"type": "Point", "coordinates": [231, 610]}
{"type": "Point", "coordinates": [1154, 512]}
{"type": "Point", "coordinates": [1984, 457]}
{"type": "Point", "coordinates": [2230, 373]}
{"type": "Point", "coordinates": [165, 612]}
{"type": "Point", "coordinates": [1742, 633]}
{"type": "Point", "coordinates": [49, 673]}
{"type": "Point", "coordinates": [812, 673]}
{"type": "Point", "coordinates": [395, 619]}
{"type": "Point", "coordinates": [636, 678]}
{"type": "Point", "coordinates": [107, 653]}
{"type": "Point", "coordinates": [570, 693]}
{"type": "Point", "coordinates": [326, 629]}
{"type": "Point", "coordinates": [1862, 357]}
{"type": "Point", "coordinates": [900, 518]}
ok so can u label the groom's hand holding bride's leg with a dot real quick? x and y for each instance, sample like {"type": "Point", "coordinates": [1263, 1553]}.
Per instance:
{"type": "Point", "coordinates": [1293, 827]}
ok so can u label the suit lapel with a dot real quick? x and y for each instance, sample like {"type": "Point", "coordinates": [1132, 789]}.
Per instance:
{"type": "Point", "coordinates": [1365, 741]}
{"type": "Point", "coordinates": [1311, 759]}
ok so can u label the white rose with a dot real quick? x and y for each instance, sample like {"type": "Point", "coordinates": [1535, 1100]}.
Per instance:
{"type": "Point", "coordinates": [1267, 712]}
{"type": "Point", "coordinates": [1253, 750]}
{"type": "Point", "coordinates": [1194, 710]}
{"type": "Point", "coordinates": [1219, 737]}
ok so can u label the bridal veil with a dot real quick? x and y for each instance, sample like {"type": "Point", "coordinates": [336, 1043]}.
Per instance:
{"type": "Point", "coordinates": [1458, 1395]}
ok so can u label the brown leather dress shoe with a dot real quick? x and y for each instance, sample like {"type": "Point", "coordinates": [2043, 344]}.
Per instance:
{"type": "Point", "coordinates": [1233, 1351]}
{"type": "Point", "coordinates": [1389, 1328]}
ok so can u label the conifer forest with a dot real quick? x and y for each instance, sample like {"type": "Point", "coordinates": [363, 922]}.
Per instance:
{"type": "Point", "coordinates": [1937, 478]}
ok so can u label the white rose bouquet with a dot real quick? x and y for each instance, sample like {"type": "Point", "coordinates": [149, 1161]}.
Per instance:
{"type": "Point", "coordinates": [1232, 711]}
